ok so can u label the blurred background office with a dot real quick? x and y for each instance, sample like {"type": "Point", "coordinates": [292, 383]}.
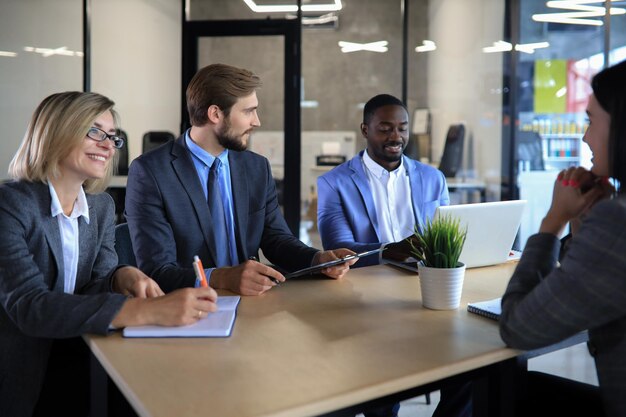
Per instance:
{"type": "Point", "coordinates": [509, 76]}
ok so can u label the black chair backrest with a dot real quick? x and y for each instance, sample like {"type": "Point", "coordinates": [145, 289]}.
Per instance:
{"type": "Point", "coordinates": [452, 157]}
{"type": "Point", "coordinates": [529, 149]}
{"type": "Point", "coordinates": [152, 140]}
{"type": "Point", "coordinates": [122, 165]}
{"type": "Point", "coordinates": [124, 246]}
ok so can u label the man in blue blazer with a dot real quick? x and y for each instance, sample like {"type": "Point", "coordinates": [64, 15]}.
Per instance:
{"type": "Point", "coordinates": [204, 194]}
{"type": "Point", "coordinates": [379, 196]}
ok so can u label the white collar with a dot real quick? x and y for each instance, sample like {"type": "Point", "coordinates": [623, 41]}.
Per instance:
{"type": "Point", "coordinates": [81, 208]}
{"type": "Point", "coordinates": [378, 170]}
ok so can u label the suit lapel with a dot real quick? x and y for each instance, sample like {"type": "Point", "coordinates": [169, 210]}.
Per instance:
{"type": "Point", "coordinates": [360, 180]}
{"type": "Point", "coordinates": [239, 185]}
{"type": "Point", "coordinates": [415, 179]}
{"type": "Point", "coordinates": [50, 226]}
{"type": "Point", "coordinates": [87, 235]}
{"type": "Point", "coordinates": [188, 177]}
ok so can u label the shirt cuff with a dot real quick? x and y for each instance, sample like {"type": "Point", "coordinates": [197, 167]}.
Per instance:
{"type": "Point", "coordinates": [207, 272]}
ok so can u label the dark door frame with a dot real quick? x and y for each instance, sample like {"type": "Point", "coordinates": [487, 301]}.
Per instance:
{"type": "Point", "coordinates": [290, 29]}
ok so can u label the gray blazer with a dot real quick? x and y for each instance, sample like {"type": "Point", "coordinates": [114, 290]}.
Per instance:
{"type": "Point", "coordinates": [34, 307]}
{"type": "Point", "coordinates": [545, 303]}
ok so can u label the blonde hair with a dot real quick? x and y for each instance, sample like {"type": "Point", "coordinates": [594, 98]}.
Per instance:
{"type": "Point", "coordinates": [59, 125]}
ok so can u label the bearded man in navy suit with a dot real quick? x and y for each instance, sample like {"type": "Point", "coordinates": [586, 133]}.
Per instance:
{"type": "Point", "coordinates": [172, 215]}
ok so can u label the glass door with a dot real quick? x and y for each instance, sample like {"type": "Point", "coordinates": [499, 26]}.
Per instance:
{"type": "Point", "coordinates": [236, 42]}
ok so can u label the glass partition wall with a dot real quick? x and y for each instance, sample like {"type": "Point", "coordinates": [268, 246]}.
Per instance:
{"type": "Point", "coordinates": [351, 53]}
{"type": "Point", "coordinates": [557, 55]}
{"type": "Point", "coordinates": [518, 83]}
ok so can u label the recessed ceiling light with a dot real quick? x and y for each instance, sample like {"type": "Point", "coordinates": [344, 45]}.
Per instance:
{"type": "Point", "coordinates": [582, 14]}
{"type": "Point", "coordinates": [502, 46]}
{"type": "Point", "coordinates": [426, 46]}
{"type": "Point", "coordinates": [379, 46]}
{"type": "Point", "coordinates": [286, 8]}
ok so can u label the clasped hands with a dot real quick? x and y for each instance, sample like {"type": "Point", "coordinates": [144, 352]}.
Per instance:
{"type": "Point", "coordinates": [576, 191]}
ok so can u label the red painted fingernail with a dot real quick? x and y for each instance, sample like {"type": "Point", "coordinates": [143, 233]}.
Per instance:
{"type": "Point", "coordinates": [574, 183]}
{"type": "Point", "coordinates": [565, 182]}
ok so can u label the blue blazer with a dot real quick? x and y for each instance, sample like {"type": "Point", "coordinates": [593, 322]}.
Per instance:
{"type": "Point", "coordinates": [35, 310]}
{"type": "Point", "coordinates": [170, 222]}
{"type": "Point", "coordinates": [346, 213]}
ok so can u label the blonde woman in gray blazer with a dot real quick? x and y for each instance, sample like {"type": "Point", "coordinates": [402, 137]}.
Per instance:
{"type": "Point", "coordinates": [546, 302]}
{"type": "Point", "coordinates": [59, 276]}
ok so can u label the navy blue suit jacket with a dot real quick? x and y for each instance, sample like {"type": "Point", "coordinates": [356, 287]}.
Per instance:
{"type": "Point", "coordinates": [170, 222]}
{"type": "Point", "coordinates": [345, 206]}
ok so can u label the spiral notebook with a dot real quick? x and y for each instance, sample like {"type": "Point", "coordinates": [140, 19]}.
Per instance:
{"type": "Point", "coordinates": [490, 308]}
{"type": "Point", "coordinates": [218, 324]}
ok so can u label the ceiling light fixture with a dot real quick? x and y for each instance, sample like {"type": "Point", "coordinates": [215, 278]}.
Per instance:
{"type": "Point", "coordinates": [426, 46]}
{"type": "Point", "coordinates": [287, 8]}
{"type": "Point", "coordinates": [9, 54]}
{"type": "Point", "coordinates": [379, 46]}
{"type": "Point", "coordinates": [46, 52]}
{"type": "Point", "coordinates": [502, 46]}
{"type": "Point", "coordinates": [582, 14]}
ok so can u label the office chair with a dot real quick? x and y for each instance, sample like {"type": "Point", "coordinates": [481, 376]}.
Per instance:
{"type": "Point", "coordinates": [122, 165]}
{"type": "Point", "coordinates": [152, 140]}
{"type": "Point", "coordinates": [452, 157]}
{"type": "Point", "coordinates": [529, 149]}
{"type": "Point", "coordinates": [124, 246]}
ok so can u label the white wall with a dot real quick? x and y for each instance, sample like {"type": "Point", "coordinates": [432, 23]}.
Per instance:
{"type": "Point", "coordinates": [28, 77]}
{"type": "Point", "coordinates": [464, 83]}
{"type": "Point", "coordinates": [136, 61]}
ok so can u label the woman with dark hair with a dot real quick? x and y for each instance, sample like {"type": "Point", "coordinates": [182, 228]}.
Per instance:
{"type": "Point", "coordinates": [547, 301]}
{"type": "Point", "coordinates": [59, 276]}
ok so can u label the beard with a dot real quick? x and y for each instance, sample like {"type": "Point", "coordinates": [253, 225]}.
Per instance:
{"type": "Point", "coordinates": [229, 140]}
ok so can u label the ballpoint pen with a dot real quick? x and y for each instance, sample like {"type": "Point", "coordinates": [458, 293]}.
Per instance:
{"type": "Point", "coordinates": [199, 270]}
{"type": "Point", "coordinates": [274, 280]}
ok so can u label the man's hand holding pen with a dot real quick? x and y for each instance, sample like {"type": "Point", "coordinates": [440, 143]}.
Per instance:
{"type": "Point", "coordinates": [248, 278]}
{"type": "Point", "coordinates": [337, 271]}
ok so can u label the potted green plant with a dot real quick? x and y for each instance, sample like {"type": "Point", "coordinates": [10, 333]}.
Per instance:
{"type": "Point", "coordinates": [437, 246]}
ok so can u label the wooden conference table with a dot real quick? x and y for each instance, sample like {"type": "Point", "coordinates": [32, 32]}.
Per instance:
{"type": "Point", "coordinates": [312, 347]}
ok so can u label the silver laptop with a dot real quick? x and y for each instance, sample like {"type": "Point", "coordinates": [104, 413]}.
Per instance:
{"type": "Point", "coordinates": [491, 230]}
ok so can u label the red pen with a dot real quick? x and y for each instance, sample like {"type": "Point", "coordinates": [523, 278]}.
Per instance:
{"type": "Point", "coordinates": [199, 270]}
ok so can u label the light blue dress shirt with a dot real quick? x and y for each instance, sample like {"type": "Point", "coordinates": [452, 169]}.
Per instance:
{"type": "Point", "coordinates": [202, 161]}
{"type": "Point", "coordinates": [68, 226]}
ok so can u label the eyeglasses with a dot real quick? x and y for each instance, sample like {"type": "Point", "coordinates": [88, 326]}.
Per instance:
{"type": "Point", "coordinates": [100, 135]}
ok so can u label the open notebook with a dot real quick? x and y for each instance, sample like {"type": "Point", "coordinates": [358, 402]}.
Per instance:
{"type": "Point", "coordinates": [218, 324]}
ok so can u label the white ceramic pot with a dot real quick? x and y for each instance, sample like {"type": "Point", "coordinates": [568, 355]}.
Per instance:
{"type": "Point", "coordinates": [441, 287]}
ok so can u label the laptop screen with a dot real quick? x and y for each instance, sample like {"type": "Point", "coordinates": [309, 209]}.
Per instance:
{"type": "Point", "coordinates": [491, 229]}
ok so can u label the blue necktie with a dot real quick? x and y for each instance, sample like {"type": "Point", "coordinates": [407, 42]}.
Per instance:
{"type": "Point", "coordinates": [216, 206]}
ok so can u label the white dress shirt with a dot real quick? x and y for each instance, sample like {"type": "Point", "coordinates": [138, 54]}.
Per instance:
{"type": "Point", "coordinates": [391, 192]}
{"type": "Point", "coordinates": [68, 226]}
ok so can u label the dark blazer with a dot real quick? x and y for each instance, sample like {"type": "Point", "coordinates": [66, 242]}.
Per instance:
{"type": "Point", "coordinates": [169, 219]}
{"type": "Point", "coordinates": [345, 207]}
{"type": "Point", "coordinates": [545, 303]}
{"type": "Point", "coordinates": [34, 307]}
